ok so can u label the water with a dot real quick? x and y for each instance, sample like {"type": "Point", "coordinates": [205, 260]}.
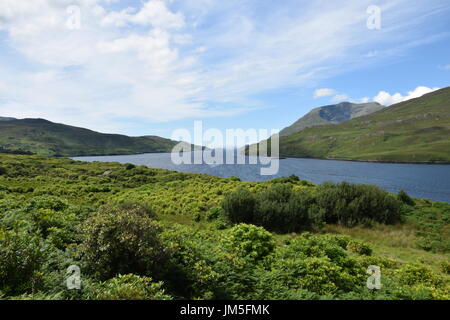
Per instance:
{"type": "Point", "coordinates": [418, 180]}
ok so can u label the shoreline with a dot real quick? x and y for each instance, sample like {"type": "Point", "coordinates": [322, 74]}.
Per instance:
{"type": "Point", "coordinates": [370, 161]}
{"type": "Point", "coordinates": [282, 158]}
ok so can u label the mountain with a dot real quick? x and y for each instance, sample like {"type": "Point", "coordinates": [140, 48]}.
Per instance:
{"type": "Point", "coordinates": [42, 137]}
{"type": "Point", "coordinates": [334, 113]}
{"type": "Point", "coordinates": [417, 130]}
{"type": "Point", "coordinates": [7, 119]}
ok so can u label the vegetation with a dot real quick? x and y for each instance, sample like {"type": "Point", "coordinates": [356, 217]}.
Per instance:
{"type": "Point", "coordinates": [142, 233]}
{"type": "Point", "coordinates": [42, 137]}
{"type": "Point", "coordinates": [417, 130]}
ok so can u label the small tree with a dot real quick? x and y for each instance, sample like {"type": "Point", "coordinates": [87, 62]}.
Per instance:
{"type": "Point", "coordinates": [121, 241]}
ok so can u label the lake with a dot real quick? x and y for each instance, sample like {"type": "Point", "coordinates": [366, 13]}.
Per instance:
{"type": "Point", "coordinates": [431, 181]}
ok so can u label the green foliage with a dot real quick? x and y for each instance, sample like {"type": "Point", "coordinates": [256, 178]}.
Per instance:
{"type": "Point", "coordinates": [240, 206]}
{"type": "Point", "coordinates": [132, 233]}
{"type": "Point", "coordinates": [405, 198]}
{"type": "Point", "coordinates": [445, 266]}
{"type": "Point", "coordinates": [128, 287]}
{"type": "Point", "coordinates": [280, 208]}
{"type": "Point", "coordinates": [121, 241]}
{"type": "Point", "coordinates": [359, 248]}
{"type": "Point", "coordinates": [249, 241]}
{"type": "Point", "coordinates": [21, 257]}
{"type": "Point", "coordinates": [351, 204]}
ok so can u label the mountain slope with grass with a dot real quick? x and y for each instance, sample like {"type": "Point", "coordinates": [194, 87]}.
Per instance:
{"type": "Point", "coordinates": [334, 113]}
{"type": "Point", "coordinates": [417, 130]}
{"type": "Point", "coordinates": [42, 137]}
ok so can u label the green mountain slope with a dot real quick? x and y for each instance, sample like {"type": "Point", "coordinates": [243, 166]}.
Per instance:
{"type": "Point", "coordinates": [46, 138]}
{"type": "Point", "coordinates": [416, 130]}
{"type": "Point", "coordinates": [331, 114]}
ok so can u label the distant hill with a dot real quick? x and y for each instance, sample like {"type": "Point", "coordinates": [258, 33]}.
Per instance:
{"type": "Point", "coordinates": [7, 119]}
{"type": "Point", "coordinates": [42, 137]}
{"type": "Point", "coordinates": [417, 130]}
{"type": "Point", "coordinates": [334, 113]}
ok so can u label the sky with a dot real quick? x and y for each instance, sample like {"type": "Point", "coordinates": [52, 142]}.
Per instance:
{"type": "Point", "coordinates": [153, 66]}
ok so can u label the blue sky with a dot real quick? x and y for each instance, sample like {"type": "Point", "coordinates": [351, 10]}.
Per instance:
{"type": "Point", "coordinates": [151, 67]}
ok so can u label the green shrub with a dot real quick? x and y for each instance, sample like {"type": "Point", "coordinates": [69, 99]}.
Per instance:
{"type": "Point", "coordinates": [278, 209]}
{"type": "Point", "coordinates": [47, 202]}
{"type": "Point", "coordinates": [2, 171]}
{"type": "Point", "coordinates": [121, 241]}
{"type": "Point", "coordinates": [359, 248]}
{"type": "Point", "coordinates": [239, 206]}
{"type": "Point", "coordinates": [249, 241]}
{"type": "Point", "coordinates": [128, 287]}
{"type": "Point", "coordinates": [405, 198]}
{"type": "Point", "coordinates": [414, 274]}
{"type": "Point", "coordinates": [214, 214]}
{"type": "Point", "coordinates": [351, 204]}
{"type": "Point", "coordinates": [445, 267]}
{"type": "Point", "coordinates": [21, 257]}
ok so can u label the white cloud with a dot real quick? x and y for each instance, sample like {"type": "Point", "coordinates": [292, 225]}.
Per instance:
{"type": "Point", "coordinates": [324, 92]}
{"type": "Point", "coordinates": [340, 98]}
{"type": "Point", "coordinates": [154, 13]}
{"type": "Point", "coordinates": [203, 59]}
{"type": "Point", "coordinates": [385, 98]}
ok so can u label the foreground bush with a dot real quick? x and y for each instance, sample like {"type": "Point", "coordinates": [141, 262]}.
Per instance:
{"type": "Point", "coordinates": [128, 287]}
{"type": "Point", "coordinates": [121, 241]}
{"type": "Point", "coordinates": [21, 257]}
{"type": "Point", "coordinates": [250, 241]}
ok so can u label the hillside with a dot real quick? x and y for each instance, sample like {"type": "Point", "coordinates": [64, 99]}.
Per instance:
{"type": "Point", "coordinates": [144, 233]}
{"type": "Point", "coordinates": [334, 113]}
{"type": "Point", "coordinates": [42, 137]}
{"type": "Point", "coordinates": [417, 130]}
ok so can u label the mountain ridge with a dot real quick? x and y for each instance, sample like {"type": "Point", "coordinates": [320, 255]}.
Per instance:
{"type": "Point", "coordinates": [329, 114]}
{"type": "Point", "coordinates": [43, 137]}
{"type": "Point", "coordinates": [414, 131]}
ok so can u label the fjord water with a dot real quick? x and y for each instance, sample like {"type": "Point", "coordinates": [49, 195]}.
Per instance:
{"type": "Point", "coordinates": [431, 181]}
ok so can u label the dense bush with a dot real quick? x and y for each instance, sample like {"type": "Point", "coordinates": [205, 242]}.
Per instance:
{"type": "Point", "coordinates": [121, 241]}
{"type": "Point", "coordinates": [278, 209]}
{"type": "Point", "coordinates": [351, 204]}
{"type": "Point", "coordinates": [405, 198]}
{"type": "Point", "coordinates": [128, 287]}
{"type": "Point", "coordinates": [250, 241]}
{"type": "Point", "coordinates": [282, 209]}
{"type": "Point", "coordinates": [359, 247]}
{"type": "Point", "coordinates": [21, 257]}
{"type": "Point", "coordinates": [240, 206]}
